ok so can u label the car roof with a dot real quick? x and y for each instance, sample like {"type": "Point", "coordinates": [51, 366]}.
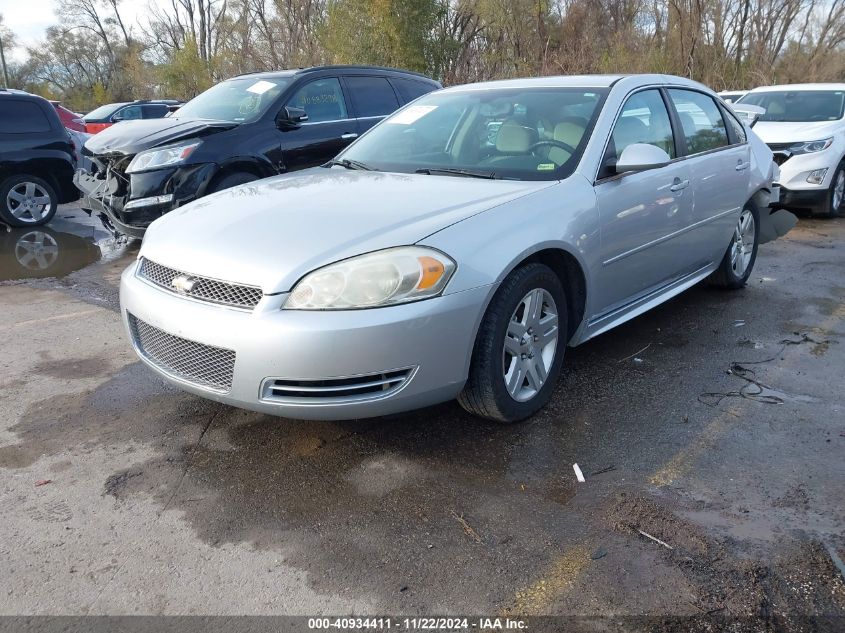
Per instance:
{"type": "Point", "coordinates": [342, 68]}
{"type": "Point", "coordinates": [580, 81]}
{"type": "Point", "coordinates": [799, 87]}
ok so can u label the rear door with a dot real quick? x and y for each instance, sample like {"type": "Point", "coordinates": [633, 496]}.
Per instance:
{"type": "Point", "coordinates": [644, 214]}
{"type": "Point", "coordinates": [330, 126]}
{"type": "Point", "coordinates": [719, 162]}
{"type": "Point", "coordinates": [155, 110]}
{"type": "Point", "coordinates": [373, 98]}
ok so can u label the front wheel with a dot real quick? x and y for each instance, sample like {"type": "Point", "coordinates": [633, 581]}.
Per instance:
{"type": "Point", "coordinates": [739, 259]}
{"type": "Point", "coordinates": [231, 180]}
{"type": "Point", "coordinates": [519, 349]}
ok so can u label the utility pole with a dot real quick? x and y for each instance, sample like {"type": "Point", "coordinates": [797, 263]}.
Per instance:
{"type": "Point", "coordinates": [3, 61]}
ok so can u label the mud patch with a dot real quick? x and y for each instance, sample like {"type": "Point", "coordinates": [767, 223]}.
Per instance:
{"type": "Point", "coordinates": [74, 368]}
{"type": "Point", "coordinates": [115, 484]}
{"type": "Point", "coordinates": [802, 580]}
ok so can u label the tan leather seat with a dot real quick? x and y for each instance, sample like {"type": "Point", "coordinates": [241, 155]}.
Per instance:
{"type": "Point", "coordinates": [514, 138]}
{"type": "Point", "coordinates": [570, 131]}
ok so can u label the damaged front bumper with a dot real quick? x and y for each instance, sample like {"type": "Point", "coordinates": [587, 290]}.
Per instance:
{"type": "Point", "coordinates": [131, 202]}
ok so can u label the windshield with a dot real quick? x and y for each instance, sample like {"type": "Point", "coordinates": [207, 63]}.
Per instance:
{"type": "Point", "coordinates": [798, 105]}
{"type": "Point", "coordinates": [103, 112]}
{"type": "Point", "coordinates": [237, 100]}
{"type": "Point", "coordinates": [515, 133]}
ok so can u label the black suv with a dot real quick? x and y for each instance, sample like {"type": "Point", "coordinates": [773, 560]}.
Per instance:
{"type": "Point", "coordinates": [37, 159]}
{"type": "Point", "coordinates": [242, 129]}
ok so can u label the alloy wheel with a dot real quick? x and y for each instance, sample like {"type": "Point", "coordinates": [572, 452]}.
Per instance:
{"type": "Point", "coordinates": [530, 345]}
{"type": "Point", "coordinates": [742, 247]}
{"type": "Point", "coordinates": [28, 202]}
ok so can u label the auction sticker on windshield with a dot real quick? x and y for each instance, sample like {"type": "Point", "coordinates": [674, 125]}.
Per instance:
{"type": "Point", "coordinates": [260, 87]}
{"type": "Point", "coordinates": [410, 115]}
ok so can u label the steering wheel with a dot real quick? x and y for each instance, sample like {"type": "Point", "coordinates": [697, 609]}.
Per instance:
{"type": "Point", "coordinates": [553, 143]}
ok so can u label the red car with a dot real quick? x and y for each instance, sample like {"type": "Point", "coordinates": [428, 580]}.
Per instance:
{"type": "Point", "coordinates": [71, 120]}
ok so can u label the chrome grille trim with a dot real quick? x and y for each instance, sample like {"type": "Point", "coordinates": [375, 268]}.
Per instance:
{"type": "Point", "coordinates": [337, 390]}
{"type": "Point", "coordinates": [204, 288]}
{"type": "Point", "coordinates": [203, 365]}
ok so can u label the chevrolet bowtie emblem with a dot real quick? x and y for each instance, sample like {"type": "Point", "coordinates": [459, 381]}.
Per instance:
{"type": "Point", "coordinates": [183, 284]}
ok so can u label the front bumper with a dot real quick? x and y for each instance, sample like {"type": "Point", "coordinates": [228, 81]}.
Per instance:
{"type": "Point", "coordinates": [109, 193]}
{"type": "Point", "coordinates": [433, 338]}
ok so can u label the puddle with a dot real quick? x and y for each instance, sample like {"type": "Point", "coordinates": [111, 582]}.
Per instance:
{"type": "Point", "coordinates": [44, 251]}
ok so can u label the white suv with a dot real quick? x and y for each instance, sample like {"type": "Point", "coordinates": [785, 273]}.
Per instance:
{"type": "Point", "coordinates": [803, 125]}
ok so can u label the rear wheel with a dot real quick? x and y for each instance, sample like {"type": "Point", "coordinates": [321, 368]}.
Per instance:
{"type": "Point", "coordinates": [739, 259]}
{"type": "Point", "coordinates": [27, 200]}
{"type": "Point", "coordinates": [835, 196]}
{"type": "Point", "coordinates": [519, 349]}
{"type": "Point", "coordinates": [231, 180]}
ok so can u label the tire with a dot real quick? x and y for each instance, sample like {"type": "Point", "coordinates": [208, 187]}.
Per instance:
{"type": "Point", "coordinates": [27, 200]}
{"type": "Point", "coordinates": [832, 205]}
{"type": "Point", "coordinates": [730, 274]}
{"type": "Point", "coordinates": [231, 180]}
{"type": "Point", "coordinates": [486, 393]}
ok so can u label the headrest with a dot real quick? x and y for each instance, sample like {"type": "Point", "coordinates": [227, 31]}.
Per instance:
{"type": "Point", "coordinates": [514, 138]}
{"type": "Point", "coordinates": [569, 132]}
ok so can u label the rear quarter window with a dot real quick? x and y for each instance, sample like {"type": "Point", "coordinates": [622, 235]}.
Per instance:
{"type": "Point", "coordinates": [22, 117]}
{"type": "Point", "coordinates": [409, 89]}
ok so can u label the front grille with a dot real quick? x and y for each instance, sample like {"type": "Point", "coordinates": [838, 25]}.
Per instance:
{"type": "Point", "coordinates": [367, 387]}
{"type": "Point", "coordinates": [201, 288]}
{"type": "Point", "coordinates": [204, 365]}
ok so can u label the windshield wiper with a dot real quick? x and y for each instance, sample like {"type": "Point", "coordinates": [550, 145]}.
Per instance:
{"type": "Point", "coordinates": [451, 171]}
{"type": "Point", "coordinates": [348, 163]}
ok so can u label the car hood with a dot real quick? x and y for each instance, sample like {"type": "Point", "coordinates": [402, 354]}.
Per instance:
{"type": "Point", "coordinates": [131, 137]}
{"type": "Point", "coordinates": [272, 232]}
{"type": "Point", "coordinates": [795, 132]}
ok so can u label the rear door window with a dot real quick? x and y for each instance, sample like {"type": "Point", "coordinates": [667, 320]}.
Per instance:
{"type": "Point", "coordinates": [372, 96]}
{"type": "Point", "coordinates": [22, 117]}
{"type": "Point", "coordinates": [322, 100]}
{"type": "Point", "coordinates": [155, 111]}
{"type": "Point", "coordinates": [701, 120]}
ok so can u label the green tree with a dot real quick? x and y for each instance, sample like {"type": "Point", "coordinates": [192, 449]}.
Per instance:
{"type": "Point", "coordinates": [383, 32]}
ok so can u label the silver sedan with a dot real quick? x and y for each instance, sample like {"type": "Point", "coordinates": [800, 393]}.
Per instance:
{"type": "Point", "coordinates": [455, 250]}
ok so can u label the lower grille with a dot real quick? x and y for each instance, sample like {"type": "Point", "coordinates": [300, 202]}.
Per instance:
{"type": "Point", "coordinates": [201, 288]}
{"type": "Point", "coordinates": [204, 365]}
{"type": "Point", "coordinates": [335, 390]}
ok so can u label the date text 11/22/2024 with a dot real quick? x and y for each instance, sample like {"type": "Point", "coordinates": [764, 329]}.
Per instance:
{"type": "Point", "coordinates": [416, 624]}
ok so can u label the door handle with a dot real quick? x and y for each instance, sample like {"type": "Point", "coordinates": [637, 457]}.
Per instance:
{"type": "Point", "coordinates": [740, 166]}
{"type": "Point", "coordinates": [679, 185]}
{"type": "Point", "coordinates": [348, 136]}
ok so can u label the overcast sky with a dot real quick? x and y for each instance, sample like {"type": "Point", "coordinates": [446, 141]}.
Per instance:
{"type": "Point", "coordinates": [29, 18]}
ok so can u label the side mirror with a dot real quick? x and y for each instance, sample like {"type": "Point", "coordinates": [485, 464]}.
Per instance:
{"type": "Point", "coordinates": [291, 116]}
{"type": "Point", "coordinates": [116, 117]}
{"type": "Point", "coordinates": [640, 157]}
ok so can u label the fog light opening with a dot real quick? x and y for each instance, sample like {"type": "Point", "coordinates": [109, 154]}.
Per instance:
{"type": "Point", "coordinates": [816, 177]}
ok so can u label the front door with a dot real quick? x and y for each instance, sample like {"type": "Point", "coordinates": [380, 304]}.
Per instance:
{"type": "Point", "coordinates": [328, 130]}
{"type": "Point", "coordinates": [643, 215]}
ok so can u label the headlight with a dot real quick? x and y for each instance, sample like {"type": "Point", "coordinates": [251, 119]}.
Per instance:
{"type": "Point", "coordinates": [161, 157]}
{"type": "Point", "coordinates": [388, 277]}
{"type": "Point", "coordinates": [811, 146]}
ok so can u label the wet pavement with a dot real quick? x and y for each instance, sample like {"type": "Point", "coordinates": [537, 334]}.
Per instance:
{"type": "Point", "coordinates": [711, 433]}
